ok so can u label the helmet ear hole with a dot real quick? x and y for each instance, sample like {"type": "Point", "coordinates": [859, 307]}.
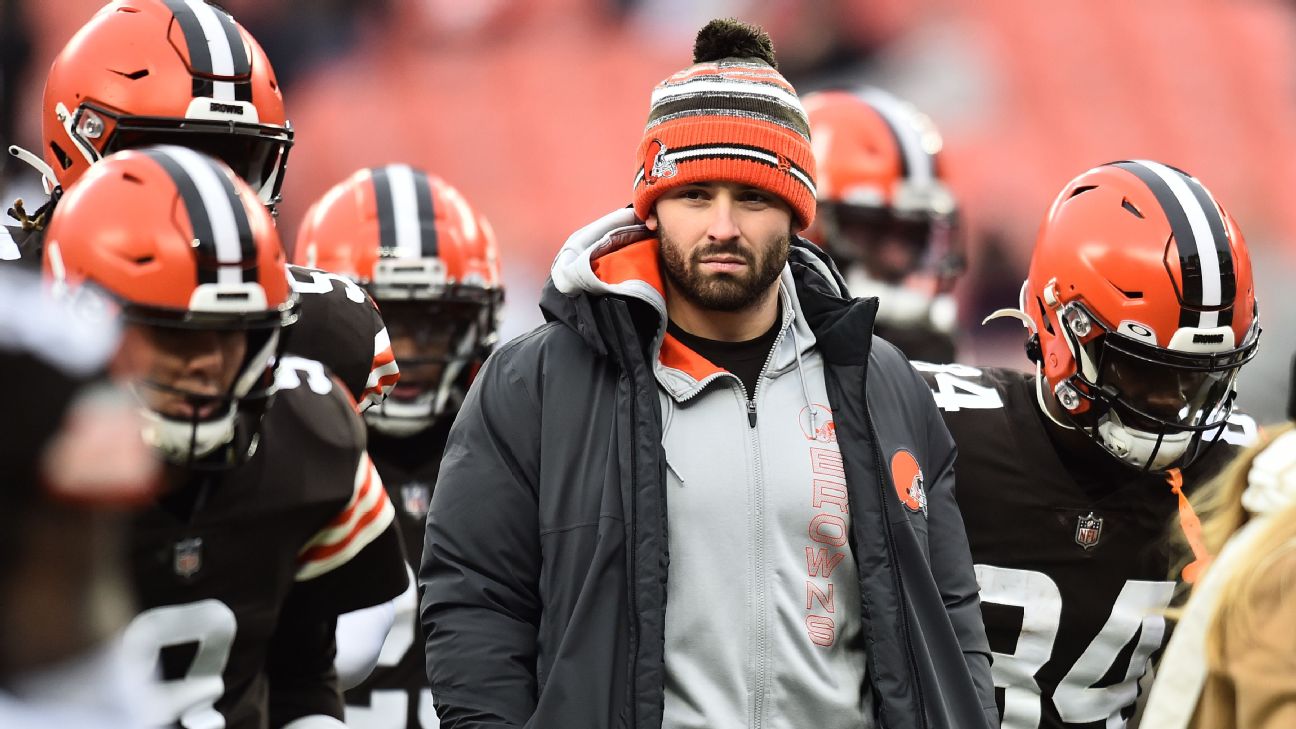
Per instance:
{"type": "Point", "coordinates": [1044, 317]}
{"type": "Point", "coordinates": [63, 159]}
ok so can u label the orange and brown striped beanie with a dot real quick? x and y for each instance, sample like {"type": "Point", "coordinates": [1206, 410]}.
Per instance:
{"type": "Point", "coordinates": [730, 116]}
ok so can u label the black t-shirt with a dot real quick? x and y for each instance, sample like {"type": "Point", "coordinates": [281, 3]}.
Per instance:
{"type": "Point", "coordinates": [744, 359]}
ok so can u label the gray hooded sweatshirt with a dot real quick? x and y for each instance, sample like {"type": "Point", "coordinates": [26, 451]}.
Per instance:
{"type": "Point", "coordinates": [762, 597]}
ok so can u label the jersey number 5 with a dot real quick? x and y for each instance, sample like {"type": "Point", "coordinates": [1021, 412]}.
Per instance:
{"type": "Point", "coordinates": [1076, 699]}
{"type": "Point", "coordinates": [322, 283]}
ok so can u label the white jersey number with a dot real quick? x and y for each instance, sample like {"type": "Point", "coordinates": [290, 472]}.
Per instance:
{"type": "Point", "coordinates": [291, 370]}
{"type": "Point", "coordinates": [954, 390]}
{"type": "Point", "coordinates": [189, 700]}
{"type": "Point", "coordinates": [1240, 430]}
{"type": "Point", "coordinates": [322, 283]}
{"type": "Point", "coordinates": [1139, 606]}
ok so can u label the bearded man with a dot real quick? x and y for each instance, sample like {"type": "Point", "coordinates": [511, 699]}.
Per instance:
{"type": "Point", "coordinates": [703, 494]}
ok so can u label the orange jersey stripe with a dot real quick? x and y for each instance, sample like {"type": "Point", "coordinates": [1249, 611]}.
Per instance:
{"type": "Point", "coordinates": [324, 551]}
{"type": "Point", "coordinates": [356, 499]}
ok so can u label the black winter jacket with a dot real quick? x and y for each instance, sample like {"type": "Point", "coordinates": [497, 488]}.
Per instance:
{"type": "Point", "coordinates": [545, 559]}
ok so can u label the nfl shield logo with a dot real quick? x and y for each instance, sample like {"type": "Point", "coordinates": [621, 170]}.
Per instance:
{"type": "Point", "coordinates": [187, 557]}
{"type": "Point", "coordinates": [416, 497]}
{"type": "Point", "coordinates": [1088, 530]}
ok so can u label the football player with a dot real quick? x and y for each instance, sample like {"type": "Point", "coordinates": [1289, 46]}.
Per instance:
{"type": "Point", "coordinates": [886, 216]}
{"type": "Point", "coordinates": [274, 521]}
{"type": "Point", "coordinates": [1141, 311]}
{"type": "Point", "coordinates": [184, 72]}
{"type": "Point", "coordinates": [414, 243]}
{"type": "Point", "coordinates": [73, 464]}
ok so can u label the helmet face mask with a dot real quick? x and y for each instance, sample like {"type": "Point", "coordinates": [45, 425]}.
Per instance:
{"type": "Point", "coordinates": [890, 245]}
{"type": "Point", "coordinates": [188, 427]}
{"type": "Point", "coordinates": [1141, 299]}
{"type": "Point", "coordinates": [1152, 408]}
{"type": "Point", "coordinates": [258, 153]}
{"type": "Point", "coordinates": [438, 344]}
{"type": "Point", "coordinates": [430, 263]}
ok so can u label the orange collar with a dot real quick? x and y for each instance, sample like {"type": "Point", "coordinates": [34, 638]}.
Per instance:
{"type": "Point", "coordinates": [639, 262]}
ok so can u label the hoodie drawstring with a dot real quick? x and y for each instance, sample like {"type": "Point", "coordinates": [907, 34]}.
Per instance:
{"type": "Point", "coordinates": [805, 389]}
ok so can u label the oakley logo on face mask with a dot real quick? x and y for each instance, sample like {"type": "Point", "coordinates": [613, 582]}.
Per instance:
{"type": "Point", "coordinates": [1138, 331]}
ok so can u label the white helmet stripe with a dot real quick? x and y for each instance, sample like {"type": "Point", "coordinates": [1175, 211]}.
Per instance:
{"type": "Point", "coordinates": [218, 46]}
{"type": "Point", "coordinates": [919, 166]}
{"type": "Point", "coordinates": [405, 212]}
{"type": "Point", "coordinates": [1202, 239]}
{"type": "Point", "coordinates": [220, 209]}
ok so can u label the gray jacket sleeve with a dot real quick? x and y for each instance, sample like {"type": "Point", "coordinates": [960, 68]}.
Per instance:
{"type": "Point", "coordinates": [480, 609]}
{"type": "Point", "coordinates": [951, 563]}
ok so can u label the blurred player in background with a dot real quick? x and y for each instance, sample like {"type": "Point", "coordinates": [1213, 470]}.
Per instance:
{"type": "Point", "coordinates": [184, 72]}
{"type": "Point", "coordinates": [72, 466]}
{"type": "Point", "coordinates": [273, 521]}
{"type": "Point", "coordinates": [886, 215]}
{"type": "Point", "coordinates": [1141, 311]}
{"type": "Point", "coordinates": [430, 261]}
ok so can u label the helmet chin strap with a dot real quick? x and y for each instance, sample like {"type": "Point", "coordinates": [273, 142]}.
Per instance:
{"type": "Point", "coordinates": [403, 419]}
{"type": "Point", "coordinates": [1140, 448]}
{"type": "Point", "coordinates": [183, 441]}
{"type": "Point", "coordinates": [903, 306]}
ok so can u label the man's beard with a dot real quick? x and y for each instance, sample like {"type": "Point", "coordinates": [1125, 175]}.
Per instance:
{"type": "Point", "coordinates": [723, 291]}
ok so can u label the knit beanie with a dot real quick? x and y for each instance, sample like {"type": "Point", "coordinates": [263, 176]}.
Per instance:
{"type": "Point", "coordinates": [729, 117]}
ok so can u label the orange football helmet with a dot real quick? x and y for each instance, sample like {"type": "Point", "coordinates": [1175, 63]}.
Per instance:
{"type": "Point", "coordinates": [183, 72]}
{"type": "Point", "coordinates": [880, 173]}
{"type": "Point", "coordinates": [430, 262]}
{"type": "Point", "coordinates": [1142, 302]}
{"type": "Point", "coordinates": [180, 242]}
{"type": "Point", "coordinates": [886, 215]}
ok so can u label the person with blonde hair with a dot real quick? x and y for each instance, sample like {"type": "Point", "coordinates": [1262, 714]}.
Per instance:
{"type": "Point", "coordinates": [1232, 659]}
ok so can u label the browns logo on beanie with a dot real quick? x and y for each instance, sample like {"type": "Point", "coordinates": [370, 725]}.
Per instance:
{"type": "Point", "coordinates": [729, 117]}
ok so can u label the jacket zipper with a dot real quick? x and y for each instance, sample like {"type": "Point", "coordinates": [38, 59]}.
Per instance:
{"type": "Point", "coordinates": [891, 544]}
{"type": "Point", "coordinates": [759, 679]}
{"type": "Point", "coordinates": [759, 560]}
{"type": "Point", "coordinates": [751, 403]}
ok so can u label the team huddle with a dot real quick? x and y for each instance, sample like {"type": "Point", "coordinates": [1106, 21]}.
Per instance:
{"type": "Point", "coordinates": [368, 516]}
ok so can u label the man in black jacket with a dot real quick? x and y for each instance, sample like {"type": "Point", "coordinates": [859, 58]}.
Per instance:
{"type": "Point", "coordinates": [703, 494]}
